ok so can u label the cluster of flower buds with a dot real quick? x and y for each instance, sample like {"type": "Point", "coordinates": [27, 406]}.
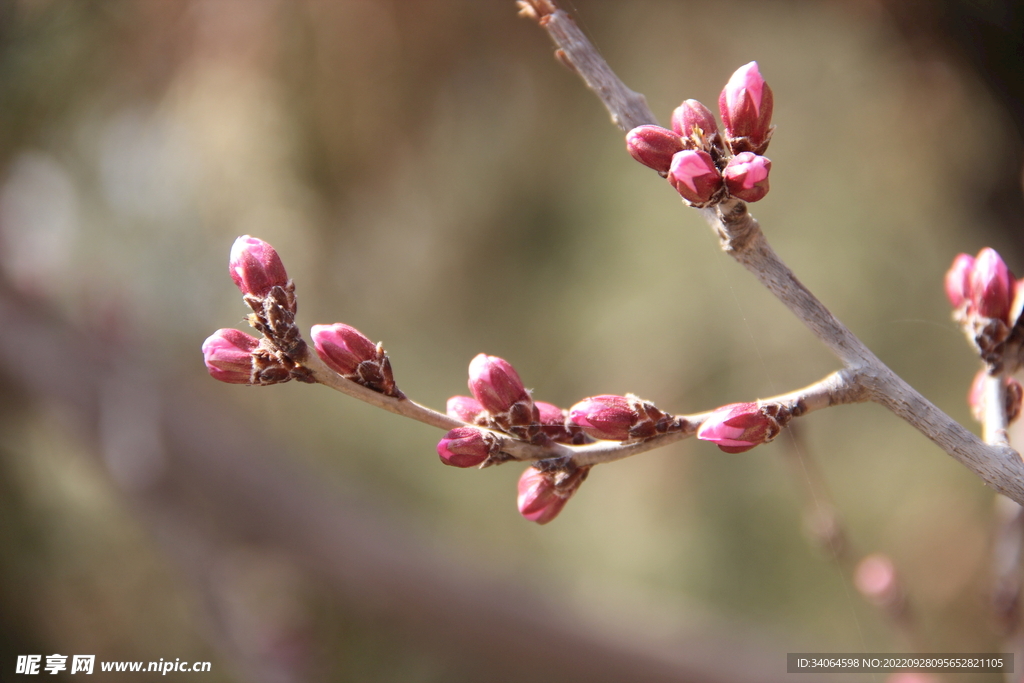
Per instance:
{"type": "Point", "coordinates": [976, 397]}
{"type": "Point", "coordinates": [238, 358]}
{"type": "Point", "coordinates": [738, 427]}
{"type": "Point", "coordinates": [987, 301]}
{"type": "Point", "coordinates": [704, 166]}
{"type": "Point", "coordinates": [621, 418]}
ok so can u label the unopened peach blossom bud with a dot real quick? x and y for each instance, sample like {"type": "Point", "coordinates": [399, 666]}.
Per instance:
{"type": "Point", "coordinates": [343, 347]}
{"type": "Point", "coordinates": [991, 285]}
{"type": "Point", "coordinates": [738, 427]}
{"type": "Point", "coordinates": [695, 177]}
{"type": "Point", "coordinates": [496, 384]}
{"type": "Point", "coordinates": [653, 146]}
{"type": "Point", "coordinates": [255, 266]}
{"type": "Point", "coordinates": [464, 447]}
{"type": "Point", "coordinates": [538, 500]}
{"type": "Point", "coordinates": [696, 125]}
{"type": "Point", "coordinates": [958, 280]}
{"type": "Point", "coordinates": [605, 417]}
{"type": "Point", "coordinates": [228, 355]}
{"type": "Point", "coordinates": [464, 408]}
{"type": "Point", "coordinates": [746, 176]}
{"type": "Point", "coordinates": [746, 105]}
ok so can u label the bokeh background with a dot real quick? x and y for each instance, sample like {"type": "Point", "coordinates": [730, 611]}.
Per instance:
{"type": "Point", "coordinates": [432, 176]}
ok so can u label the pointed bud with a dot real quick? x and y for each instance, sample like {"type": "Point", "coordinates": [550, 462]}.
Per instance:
{"type": "Point", "coordinates": [538, 500]}
{"type": "Point", "coordinates": [464, 447]}
{"type": "Point", "coordinates": [343, 347]}
{"type": "Point", "coordinates": [696, 125]}
{"type": "Point", "coordinates": [746, 105]}
{"type": "Point", "coordinates": [695, 177]}
{"type": "Point", "coordinates": [255, 266]}
{"type": "Point", "coordinates": [496, 384]}
{"type": "Point", "coordinates": [746, 176]}
{"type": "Point", "coordinates": [991, 285]}
{"type": "Point", "coordinates": [228, 356]}
{"type": "Point", "coordinates": [653, 146]}
{"type": "Point", "coordinates": [605, 417]}
{"type": "Point", "coordinates": [738, 427]}
{"type": "Point", "coordinates": [464, 408]}
{"type": "Point", "coordinates": [958, 280]}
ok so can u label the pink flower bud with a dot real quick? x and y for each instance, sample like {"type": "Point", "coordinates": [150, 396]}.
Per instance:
{"type": "Point", "coordinates": [464, 408]}
{"type": "Point", "coordinates": [746, 105]}
{"type": "Point", "coordinates": [958, 280]}
{"type": "Point", "coordinates": [738, 427]}
{"type": "Point", "coordinates": [653, 146]}
{"type": "Point", "coordinates": [255, 266]}
{"type": "Point", "coordinates": [991, 285]}
{"type": "Point", "coordinates": [695, 123]}
{"type": "Point", "coordinates": [464, 447]}
{"type": "Point", "coordinates": [696, 178]}
{"type": "Point", "coordinates": [605, 417]}
{"type": "Point", "coordinates": [746, 176]}
{"type": "Point", "coordinates": [496, 384]}
{"type": "Point", "coordinates": [539, 501]}
{"type": "Point", "coordinates": [343, 347]}
{"type": "Point", "coordinates": [228, 356]}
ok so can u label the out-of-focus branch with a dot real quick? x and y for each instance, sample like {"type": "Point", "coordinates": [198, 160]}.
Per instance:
{"type": "Point", "coordinates": [997, 465]}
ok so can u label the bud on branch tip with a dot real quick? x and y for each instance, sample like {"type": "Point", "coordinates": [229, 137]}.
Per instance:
{"type": "Point", "coordinates": [746, 106]}
{"type": "Point", "coordinates": [255, 266]}
{"type": "Point", "coordinates": [463, 447]}
{"type": "Point", "coordinates": [495, 383]}
{"type": "Point", "coordinates": [539, 501]}
{"type": "Point", "coordinates": [343, 347]}
{"type": "Point", "coordinates": [695, 177]}
{"type": "Point", "coordinates": [653, 146]}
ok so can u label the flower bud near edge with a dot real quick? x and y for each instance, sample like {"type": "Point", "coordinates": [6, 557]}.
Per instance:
{"type": "Point", "coordinates": [746, 176]}
{"type": "Point", "coordinates": [991, 285]}
{"type": "Point", "coordinates": [976, 397]}
{"type": "Point", "coordinates": [463, 447]}
{"type": "Point", "coordinates": [255, 266]}
{"type": "Point", "coordinates": [653, 146]}
{"type": "Point", "coordinates": [738, 427]}
{"type": "Point", "coordinates": [746, 106]}
{"type": "Point", "coordinates": [228, 355]}
{"type": "Point", "coordinates": [343, 347]}
{"type": "Point", "coordinates": [695, 177]}
{"type": "Point", "coordinates": [958, 280]}
{"type": "Point", "coordinates": [496, 384]}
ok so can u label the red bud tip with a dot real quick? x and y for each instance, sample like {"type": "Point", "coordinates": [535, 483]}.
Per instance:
{"type": "Point", "coordinates": [463, 447]}
{"type": "Point", "coordinates": [746, 176]}
{"type": "Point", "coordinates": [695, 177]}
{"type": "Point", "coordinates": [653, 146]}
{"type": "Point", "coordinates": [464, 408]}
{"type": "Point", "coordinates": [343, 347]}
{"type": "Point", "coordinates": [746, 105]}
{"type": "Point", "coordinates": [992, 286]}
{"type": "Point", "coordinates": [605, 417]}
{"type": "Point", "coordinates": [738, 427]}
{"type": "Point", "coordinates": [255, 266]}
{"type": "Point", "coordinates": [539, 501]}
{"type": "Point", "coordinates": [496, 384]}
{"type": "Point", "coordinates": [696, 125]}
{"type": "Point", "coordinates": [958, 280]}
{"type": "Point", "coordinates": [228, 356]}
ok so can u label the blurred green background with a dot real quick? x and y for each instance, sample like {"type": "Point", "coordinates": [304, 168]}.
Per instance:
{"type": "Point", "coordinates": [430, 175]}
